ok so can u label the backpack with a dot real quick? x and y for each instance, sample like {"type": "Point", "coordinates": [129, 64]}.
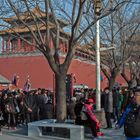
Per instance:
{"type": "Point", "coordinates": [132, 123]}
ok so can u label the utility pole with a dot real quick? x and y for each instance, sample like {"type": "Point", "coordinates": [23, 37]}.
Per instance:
{"type": "Point", "coordinates": [97, 8]}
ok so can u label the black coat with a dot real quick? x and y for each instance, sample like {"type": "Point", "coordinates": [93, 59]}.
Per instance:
{"type": "Point", "coordinates": [10, 104]}
{"type": "Point", "coordinates": [116, 97]}
{"type": "Point", "coordinates": [48, 111]}
{"type": "Point", "coordinates": [29, 102]}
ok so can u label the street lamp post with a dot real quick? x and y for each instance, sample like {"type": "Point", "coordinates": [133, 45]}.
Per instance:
{"type": "Point", "coordinates": [97, 8]}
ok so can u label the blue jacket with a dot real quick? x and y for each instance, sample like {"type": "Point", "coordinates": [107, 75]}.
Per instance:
{"type": "Point", "coordinates": [124, 115]}
{"type": "Point", "coordinates": [123, 118]}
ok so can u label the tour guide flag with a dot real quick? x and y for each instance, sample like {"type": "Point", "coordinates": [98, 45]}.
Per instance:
{"type": "Point", "coordinates": [15, 80]}
{"type": "Point", "coordinates": [27, 85]}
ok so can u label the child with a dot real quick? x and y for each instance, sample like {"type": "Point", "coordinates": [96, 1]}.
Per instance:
{"type": "Point", "coordinates": [91, 120]}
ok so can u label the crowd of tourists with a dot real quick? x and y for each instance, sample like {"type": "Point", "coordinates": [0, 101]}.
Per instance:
{"type": "Point", "coordinates": [21, 107]}
{"type": "Point", "coordinates": [117, 104]}
{"type": "Point", "coordinates": [113, 102]}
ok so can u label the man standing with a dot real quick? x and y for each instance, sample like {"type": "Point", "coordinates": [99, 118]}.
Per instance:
{"type": "Point", "coordinates": [116, 97]}
{"type": "Point", "coordinates": [30, 106]}
{"type": "Point", "coordinates": [108, 106]}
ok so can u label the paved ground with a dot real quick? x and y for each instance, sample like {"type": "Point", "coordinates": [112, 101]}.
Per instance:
{"type": "Point", "coordinates": [21, 134]}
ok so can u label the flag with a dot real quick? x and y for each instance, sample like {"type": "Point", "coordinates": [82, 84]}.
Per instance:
{"type": "Point", "coordinates": [74, 78]}
{"type": "Point", "coordinates": [27, 85]}
{"type": "Point", "coordinates": [15, 80]}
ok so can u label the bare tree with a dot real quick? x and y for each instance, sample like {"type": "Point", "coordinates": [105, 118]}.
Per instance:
{"type": "Point", "coordinates": [133, 66]}
{"type": "Point", "coordinates": [73, 12]}
{"type": "Point", "coordinates": [120, 28]}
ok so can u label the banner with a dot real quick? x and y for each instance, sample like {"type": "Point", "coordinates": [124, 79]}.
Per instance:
{"type": "Point", "coordinates": [27, 85]}
{"type": "Point", "coordinates": [15, 80]}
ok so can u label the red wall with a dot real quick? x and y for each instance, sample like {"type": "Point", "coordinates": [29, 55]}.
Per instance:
{"type": "Point", "coordinates": [40, 73]}
{"type": "Point", "coordinates": [35, 66]}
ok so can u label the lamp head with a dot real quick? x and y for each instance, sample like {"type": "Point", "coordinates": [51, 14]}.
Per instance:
{"type": "Point", "coordinates": [97, 7]}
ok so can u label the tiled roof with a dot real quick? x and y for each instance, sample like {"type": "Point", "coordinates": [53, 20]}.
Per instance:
{"type": "Point", "coordinates": [36, 13]}
{"type": "Point", "coordinates": [25, 29]}
{"type": "Point", "coordinates": [4, 80]}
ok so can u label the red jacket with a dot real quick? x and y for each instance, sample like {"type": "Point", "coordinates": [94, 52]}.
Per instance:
{"type": "Point", "coordinates": [89, 110]}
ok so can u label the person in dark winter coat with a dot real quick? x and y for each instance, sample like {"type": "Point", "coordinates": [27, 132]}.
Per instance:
{"type": "Point", "coordinates": [48, 110]}
{"type": "Point", "coordinates": [10, 109]}
{"type": "Point", "coordinates": [128, 97]}
{"type": "Point", "coordinates": [30, 106]}
{"type": "Point", "coordinates": [70, 108]}
{"type": "Point", "coordinates": [116, 97]}
{"type": "Point", "coordinates": [131, 118]}
{"type": "Point", "coordinates": [22, 108]}
{"type": "Point", "coordinates": [78, 107]}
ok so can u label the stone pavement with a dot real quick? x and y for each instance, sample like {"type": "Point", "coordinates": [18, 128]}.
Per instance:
{"type": "Point", "coordinates": [21, 134]}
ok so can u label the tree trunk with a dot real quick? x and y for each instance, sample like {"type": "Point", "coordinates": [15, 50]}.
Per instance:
{"type": "Point", "coordinates": [129, 84]}
{"type": "Point", "coordinates": [60, 97]}
{"type": "Point", "coordinates": [111, 82]}
{"type": "Point", "coordinates": [112, 79]}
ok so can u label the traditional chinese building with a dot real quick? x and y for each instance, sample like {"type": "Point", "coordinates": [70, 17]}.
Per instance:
{"type": "Point", "coordinates": [19, 57]}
